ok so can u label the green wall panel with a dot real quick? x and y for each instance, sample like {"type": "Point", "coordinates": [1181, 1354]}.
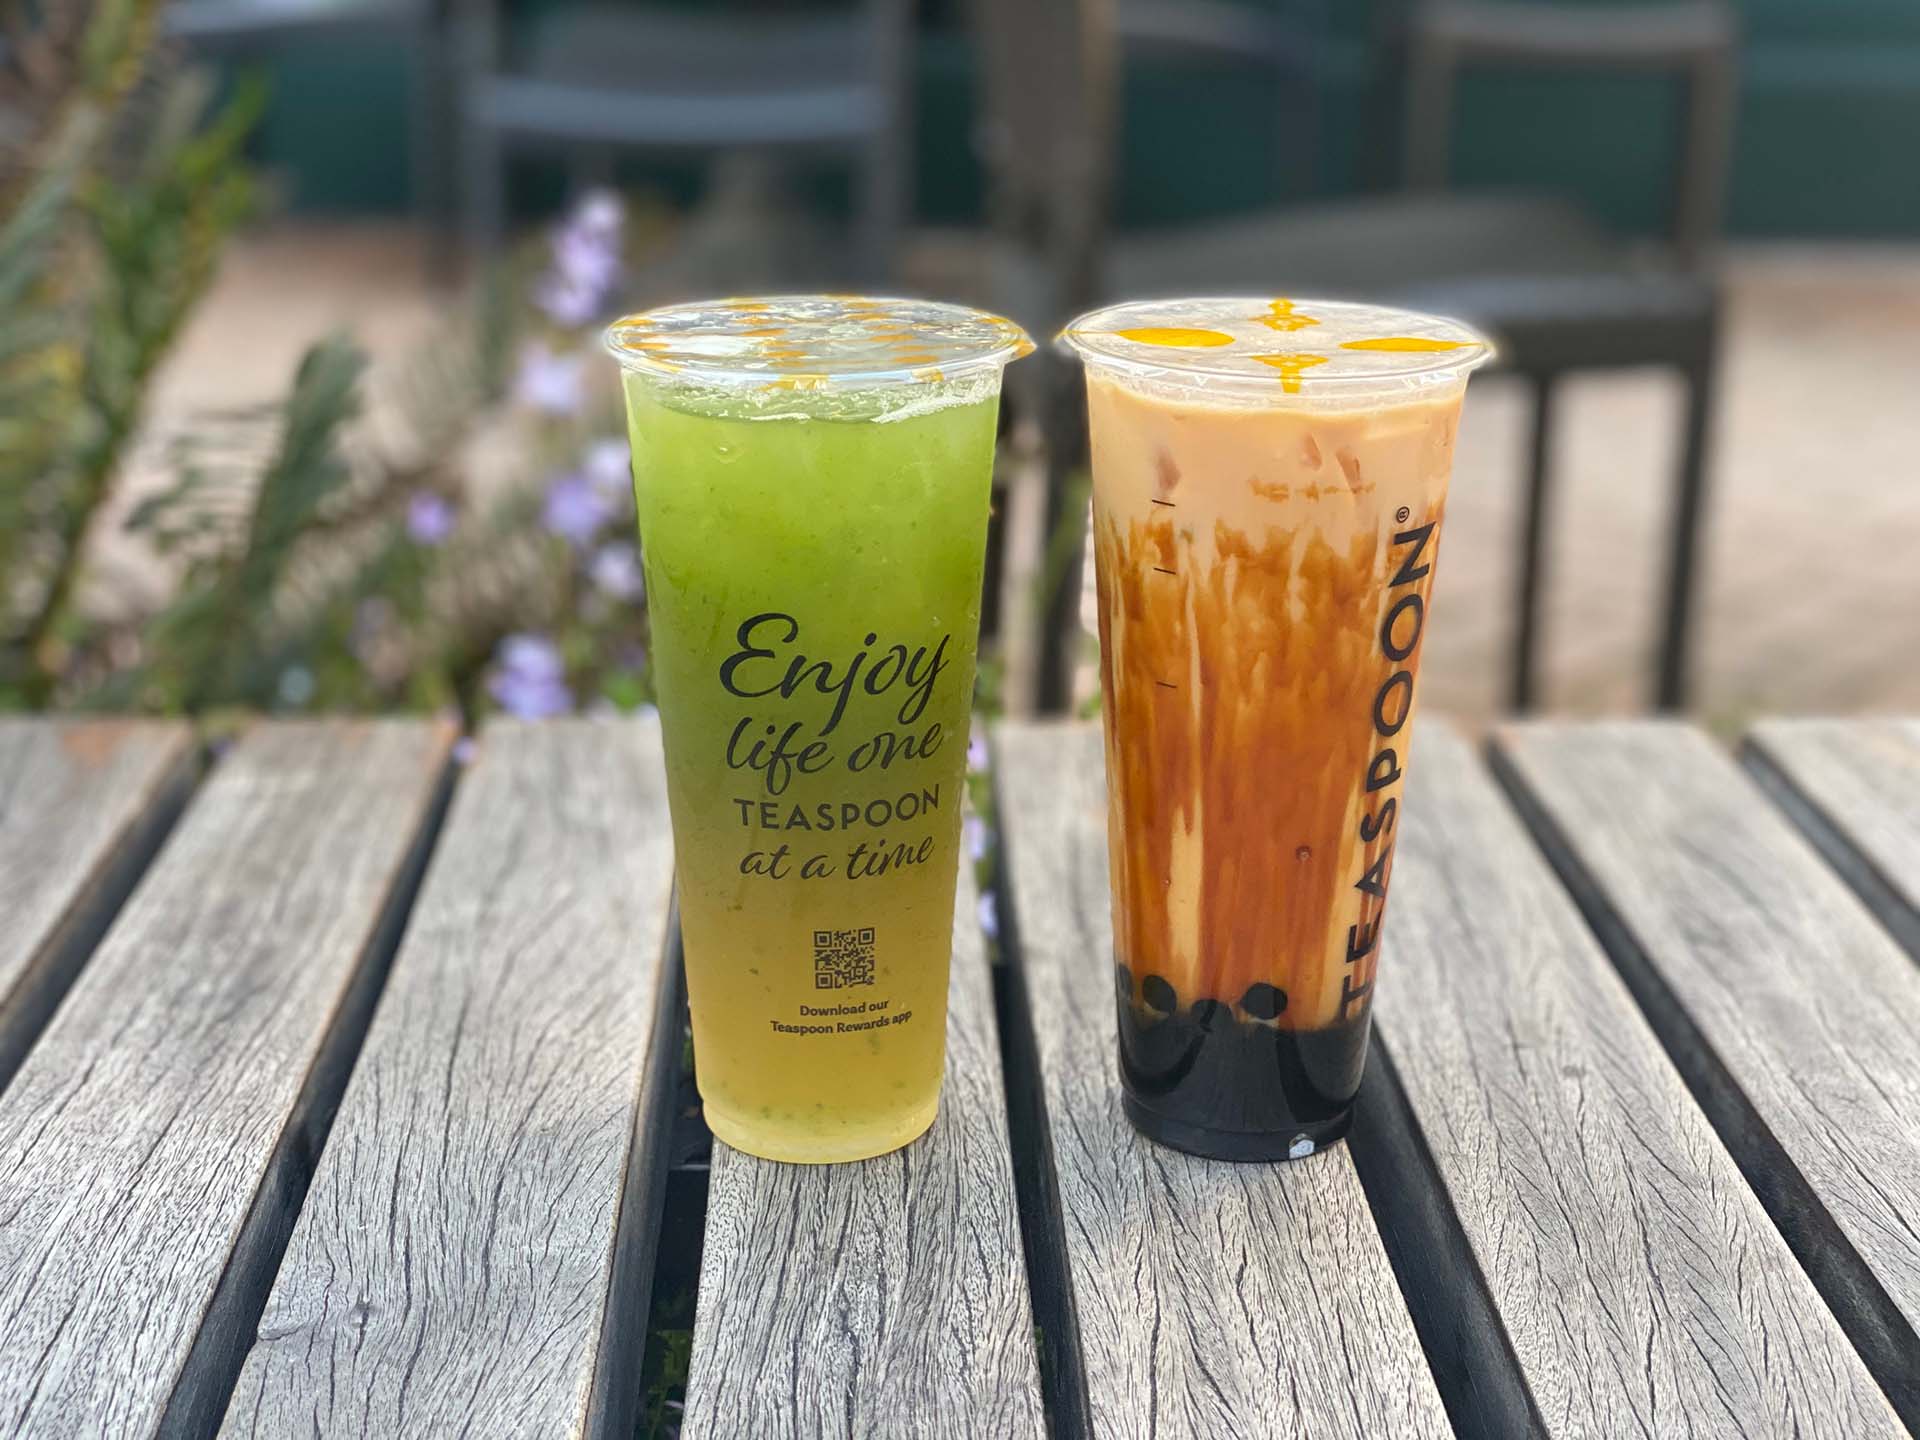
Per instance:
{"type": "Point", "coordinates": [1829, 138]}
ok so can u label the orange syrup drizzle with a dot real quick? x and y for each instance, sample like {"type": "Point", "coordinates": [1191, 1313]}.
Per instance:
{"type": "Point", "coordinates": [1175, 337]}
{"type": "Point", "coordinates": [1282, 317]}
{"type": "Point", "coordinates": [1407, 345]}
{"type": "Point", "coordinates": [1291, 367]}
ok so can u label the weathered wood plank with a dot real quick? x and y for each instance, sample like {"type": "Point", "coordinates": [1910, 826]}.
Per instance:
{"type": "Point", "coordinates": [157, 1139]}
{"type": "Point", "coordinates": [1853, 787]}
{"type": "Point", "coordinates": [1643, 1289]}
{"type": "Point", "coordinates": [1203, 1298]}
{"type": "Point", "coordinates": [883, 1298]}
{"type": "Point", "coordinates": [468, 1239]}
{"type": "Point", "coordinates": [83, 806]}
{"type": "Point", "coordinates": [1789, 1012]}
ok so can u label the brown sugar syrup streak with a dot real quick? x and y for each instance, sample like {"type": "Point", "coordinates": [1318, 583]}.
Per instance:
{"type": "Point", "coordinates": [1241, 658]}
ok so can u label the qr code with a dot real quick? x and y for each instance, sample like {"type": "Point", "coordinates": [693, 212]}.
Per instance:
{"type": "Point", "coordinates": [842, 958]}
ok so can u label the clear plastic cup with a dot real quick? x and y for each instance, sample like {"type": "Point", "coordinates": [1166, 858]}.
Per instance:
{"type": "Point", "coordinates": [1270, 477]}
{"type": "Point", "coordinates": [812, 477]}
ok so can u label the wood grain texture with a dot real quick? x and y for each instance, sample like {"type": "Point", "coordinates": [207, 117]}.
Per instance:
{"type": "Point", "coordinates": [1208, 1298]}
{"type": "Point", "coordinates": [156, 1139]}
{"type": "Point", "coordinates": [454, 1268]}
{"type": "Point", "coordinates": [885, 1298]}
{"type": "Point", "coordinates": [83, 805]}
{"type": "Point", "coordinates": [1643, 1288]}
{"type": "Point", "coordinates": [1853, 788]}
{"type": "Point", "coordinates": [1790, 1013]}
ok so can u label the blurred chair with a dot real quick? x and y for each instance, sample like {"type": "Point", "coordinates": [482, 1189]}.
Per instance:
{"type": "Point", "coordinates": [594, 79]}
{"type": "Point", "coordinates": [1049, 74]}
{"type": "Point", "coordinates": [247, 30]}
{"type": "Point", "coordinates": [1280, 40]}
{"type": "Point", "coordinates": [1559, 291]}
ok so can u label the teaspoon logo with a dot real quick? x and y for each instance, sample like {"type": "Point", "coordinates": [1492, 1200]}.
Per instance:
{"type": "Point", "coordinates": [1399, 637]}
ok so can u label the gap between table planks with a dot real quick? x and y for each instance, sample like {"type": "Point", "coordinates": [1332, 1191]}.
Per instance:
{"type": "Point", "coordinates": [1853, 788]}
{"type": "Point", "coordinates": [1184, 1297]}
{"type": "Point", "coordinates": [159, 1136]}
{"type": "Point", "coordinates": [84, 805]}
{"type": "Point", "coordinates": [1789, 1011]}
{"type": "Point", "coordinates": [1644, 1288]}
{"type": "Point", "coordinates": [475, 1251]}
{"type": "Point", "coordinates": [882, 1298]}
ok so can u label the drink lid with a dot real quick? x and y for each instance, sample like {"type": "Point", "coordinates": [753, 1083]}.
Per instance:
{"type": "Point", "coordinates": [801, 343]}
{"type": "Point", "coordinates": [1253, 348]}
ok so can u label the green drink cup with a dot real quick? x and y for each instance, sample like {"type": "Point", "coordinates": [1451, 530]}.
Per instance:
{"type": "Point", "coordinates": [812, 478]}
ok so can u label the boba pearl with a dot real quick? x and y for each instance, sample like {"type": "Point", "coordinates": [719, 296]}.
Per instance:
{"type": "Point", "coordinates": [1206, 1013]}
{"type": "Point", "coordinates": [1263, 1001]}
{"type": "Point", "coordinates": [1158, 994]}
{"type": "Point", "coordinates": [1123, 984]}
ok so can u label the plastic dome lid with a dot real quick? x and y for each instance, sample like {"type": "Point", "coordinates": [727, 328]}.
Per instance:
{"type": "Point", "coordinates": [1251, 346]}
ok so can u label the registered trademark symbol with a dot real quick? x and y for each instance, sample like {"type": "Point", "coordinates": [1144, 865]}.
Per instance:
{"type": "Point", "coordinates": [1401, 514]}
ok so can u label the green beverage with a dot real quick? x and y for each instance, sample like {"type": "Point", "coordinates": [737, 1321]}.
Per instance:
{"type": "Point", "coordinates": [812, 478]}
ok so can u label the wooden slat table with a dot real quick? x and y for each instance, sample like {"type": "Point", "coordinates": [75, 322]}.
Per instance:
{"type": "Point", "coordinates": [83, 804]}
{"type": "Point", "coordinates": [336, 1076]}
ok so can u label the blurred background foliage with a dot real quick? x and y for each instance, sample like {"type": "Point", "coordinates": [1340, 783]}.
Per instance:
{"type": "Point", "coordinates": [459, 533]}
{"type": "Point", "coordinates": [120, 185]}
{"type": "Point", "coordinates": [325, 557]}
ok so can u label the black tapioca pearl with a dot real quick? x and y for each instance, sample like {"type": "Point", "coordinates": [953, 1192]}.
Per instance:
{"type": "Point", "coordinates": [1123, 984]}
{"type": "Point", "coordinates": [1264, 1001]}
{"type": "Point", "coordinates": [1158, 994]}
{"type": "Point", "coordinates": [1207, 1014]}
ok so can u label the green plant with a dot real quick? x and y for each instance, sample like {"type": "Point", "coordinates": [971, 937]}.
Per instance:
{"type": "Point", "coordinates": [122, 195]}
{"type": "Point", "coordinates": [317, 561]}
{"type": "Point", "coordinates": [367, 568]}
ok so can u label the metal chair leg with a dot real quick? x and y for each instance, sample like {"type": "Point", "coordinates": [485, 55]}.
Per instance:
{"type": "Point", "coordinates": [879, 208]}
{"type": "Point", "coordinates": [1533, 543]}
{"type": "Point", "coordinates": [1060, 633]}
{"type": "Point", "coordinates": [884, 165]}
{"type": "Point", "coordinates": [1066, 425]}
{"type": "Point", "coordinates": [1689, 499]}
{"type": "Point", "coordinates": [432, 124]}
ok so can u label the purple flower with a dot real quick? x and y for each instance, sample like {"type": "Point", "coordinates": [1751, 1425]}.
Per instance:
{"type": "Point", "coordinates": [575, 510]}
{"type": "Point", "coordinates": [429, 518]}
{"type": "Point", "coordinates": [989, 916]}
{"type": "Point", "coordinates": [607, 466]}
{"type": "Point", "coordinates": [585, 258]}
{"type": "Point", "coordinates": [548, 382]}
{"type": "Point", "coordinates": [528, 700]}
{"type": "Point", "coordinates": [586, 262]}
{"type": "Point", "coordinates": [529, 678]}
{"type": "Point", "coordinates": [533, 656]}
{"type": "Point", "coordinates": [615, 571]}
{"type": "Point", "coordinates": [975, 835]}
{"type": "Point", "coordinates": [977, 754]}
{"type": "Point", "coordinates": [600, 213]}
{"type": "Point", "coordinates": [567, 302]}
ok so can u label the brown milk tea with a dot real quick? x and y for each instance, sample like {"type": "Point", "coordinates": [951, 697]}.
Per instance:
{"type": "Point", "coordinates": [1270, 479]}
